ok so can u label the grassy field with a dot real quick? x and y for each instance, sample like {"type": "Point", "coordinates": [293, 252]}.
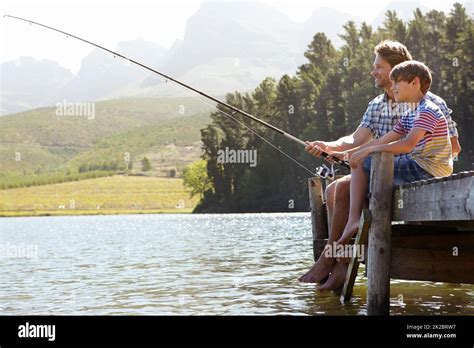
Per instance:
{"type": "Point", "coordinates": [110, 195]}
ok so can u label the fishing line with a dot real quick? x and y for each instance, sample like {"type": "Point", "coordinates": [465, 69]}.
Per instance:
{"type": "Point", "coordinates": [246, 126]}
{"type": "Point", "coordinates": [188, 87]}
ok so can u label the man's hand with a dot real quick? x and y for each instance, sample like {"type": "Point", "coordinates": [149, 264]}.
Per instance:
{"type": "Point", "coordinates": [316, 147]}
{"type": "Point", "coordinates": [357, 157]}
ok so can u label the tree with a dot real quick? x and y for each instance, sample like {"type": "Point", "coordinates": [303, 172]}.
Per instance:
{"type": "Point", "coordinates": [146, 164]}
{"type": "Point", "coordinates": [325, 100]}
{"type": "Point", "coordinates": [394, 28]}
{"type": "Point", "coordinates": [195, 178]}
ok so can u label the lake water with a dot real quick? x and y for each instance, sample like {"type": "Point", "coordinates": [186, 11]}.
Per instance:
{"type": "Point", "coordinates": [243, 264]}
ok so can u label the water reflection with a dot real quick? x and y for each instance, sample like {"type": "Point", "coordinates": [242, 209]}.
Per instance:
{"type": "Point", "coordinates": [185, 264]}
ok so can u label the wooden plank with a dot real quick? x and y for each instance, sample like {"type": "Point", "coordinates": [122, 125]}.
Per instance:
{"type": "Point", "coordinates": [432, 265]}
{"type": "Point", "coordinates": [447, 200]}
{"type": "Point", "coordinates": [318, 214]}
{"type": "Point", "coordinates": [378, 268]}
{"type": "Point", "coordinates": [439, 226]}
{"type": "Point", "coordinates": [361, 240]}
{"type": "Point", "coordinates": [449, 242]}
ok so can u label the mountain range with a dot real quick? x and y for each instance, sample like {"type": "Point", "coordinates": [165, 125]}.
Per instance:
{"type": "Point", "coordinates": [226, 47]}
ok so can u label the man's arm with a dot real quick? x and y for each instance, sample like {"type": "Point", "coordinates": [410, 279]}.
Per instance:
{"type": "Point", "coordinates": [455, 146]}
{"type": "Point", "coordinates": [453, 131]}
{"type": "Point", "coordinates": [361, 136]}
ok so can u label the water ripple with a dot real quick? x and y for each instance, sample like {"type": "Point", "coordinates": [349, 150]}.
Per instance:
{"type": "Point", "coordinates": [227, 264]}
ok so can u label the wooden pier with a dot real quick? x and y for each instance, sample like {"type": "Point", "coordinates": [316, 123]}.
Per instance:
{"type": "Point", "coordinates": [418, 231]}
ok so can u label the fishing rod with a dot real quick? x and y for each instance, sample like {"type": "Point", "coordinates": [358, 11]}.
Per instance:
{"type": "Point", "coordinates": [322, 171]}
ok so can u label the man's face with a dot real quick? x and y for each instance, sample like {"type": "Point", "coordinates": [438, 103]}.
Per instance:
{"type": "Point", "coordinates": [403, 91]}
{"type": "Point", "coordinates": [381, 72]}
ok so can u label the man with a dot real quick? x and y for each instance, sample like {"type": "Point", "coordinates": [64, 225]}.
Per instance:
{"type": "Point", "coordinates": [380, 118]}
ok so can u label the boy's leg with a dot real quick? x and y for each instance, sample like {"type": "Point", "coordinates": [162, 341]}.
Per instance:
{"type": "Point", "coordinates": [358, 192]}
{"type": "Point", "coordinates": [407, 170]}
{"type": "Point", "coordinates": [337, 200]}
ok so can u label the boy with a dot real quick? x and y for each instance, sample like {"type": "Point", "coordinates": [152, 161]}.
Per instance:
{"type": "Point", "coordinates": [422, 133]}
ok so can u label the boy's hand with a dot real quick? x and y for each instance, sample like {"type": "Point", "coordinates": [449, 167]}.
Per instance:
{"type": "Point", "coordinates": [316, 147]}
{"type": "Point", "coordinates": [357, 157]}
{"type": "Point", "coordinates": [342, 155]}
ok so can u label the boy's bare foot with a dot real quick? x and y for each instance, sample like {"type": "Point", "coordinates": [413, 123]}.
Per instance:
{"type": "Point", "coordinates": [349, 231]}
{"type": "Point", "coordinates": [336, 278]}
{"type": "Point", "coordinates": [319, 271]}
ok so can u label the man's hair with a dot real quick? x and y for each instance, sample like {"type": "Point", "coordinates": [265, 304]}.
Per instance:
{"type": "Point", "coordinates": [393, 52]}
{"type": "Point", "coordinates": [407, 71]}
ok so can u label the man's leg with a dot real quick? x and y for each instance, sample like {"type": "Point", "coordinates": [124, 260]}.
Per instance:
{"type": "Point", "coordinates": [338, 208]}
{"type": "Point", "coordinates": [358, 192]}
{"type": "Point", "coordinates": [337, 201]}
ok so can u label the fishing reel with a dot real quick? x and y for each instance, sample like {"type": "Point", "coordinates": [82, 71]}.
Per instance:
{"type": "Point", "coordinates": [325, 172]}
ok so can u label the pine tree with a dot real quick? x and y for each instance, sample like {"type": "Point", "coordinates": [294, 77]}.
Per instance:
{"type": "Point", "coordinates": [146, 164]}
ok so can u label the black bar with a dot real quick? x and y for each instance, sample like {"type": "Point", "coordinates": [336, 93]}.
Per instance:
{"type": "Point", "coordinates": [260, 330]}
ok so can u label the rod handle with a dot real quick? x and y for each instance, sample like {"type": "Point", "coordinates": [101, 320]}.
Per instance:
{"type": "Point", "coordinates": [324, 154]}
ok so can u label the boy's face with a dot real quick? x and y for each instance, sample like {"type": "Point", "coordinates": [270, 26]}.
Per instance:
{"type": "Point", "coordinates": [381, 72]}
{"type": "Point", "coordinates": [404, 91]}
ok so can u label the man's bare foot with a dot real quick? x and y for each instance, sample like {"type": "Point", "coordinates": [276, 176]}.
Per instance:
{"type": "Point", "coordinates": [336, 278]}
{"type": "Point", "coordinates": [347, 259]}
{"type": "Point", "coordinates": [349, 231]}
{"type": "Point", "coordinates": [319, 271]}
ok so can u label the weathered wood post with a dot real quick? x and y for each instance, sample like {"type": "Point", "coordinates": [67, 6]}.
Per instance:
{"type": "Point", "coordinates": [378, 268]}
{"type": "Point", "coordinates": [318, 216]}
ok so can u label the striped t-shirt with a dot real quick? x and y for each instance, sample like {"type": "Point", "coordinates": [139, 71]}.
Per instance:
{"type": "Point", "coordinates": [433, 151]}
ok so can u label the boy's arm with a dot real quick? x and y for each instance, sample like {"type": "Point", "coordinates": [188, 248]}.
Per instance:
{"type": "Point", "coordinates": [387, 138]}
{"type": "Point", "coordinates": [404, 145]}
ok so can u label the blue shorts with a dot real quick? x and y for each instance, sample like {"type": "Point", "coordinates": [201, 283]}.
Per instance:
{"type": "Point", "coordinates": [405, 170]}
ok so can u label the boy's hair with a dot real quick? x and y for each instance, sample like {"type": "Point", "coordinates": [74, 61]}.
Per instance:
{"type": "Point", "coordinates": [407, 71]}
{"type": "Point", "coordinates": [393, 52]}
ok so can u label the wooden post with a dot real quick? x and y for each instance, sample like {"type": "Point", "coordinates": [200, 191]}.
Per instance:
{"type": "Point", "coordinates": [318, 216]}
{"type": "Point", "coordinates": [378, 268]}
{"type": "Point", "coordinates": [360, 244]}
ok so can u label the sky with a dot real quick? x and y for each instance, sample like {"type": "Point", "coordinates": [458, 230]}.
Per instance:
{"type": "Point", "coordinates": [108, 22]}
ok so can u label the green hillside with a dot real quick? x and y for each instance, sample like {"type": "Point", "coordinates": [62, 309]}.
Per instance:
{"type": "Point", "coordinates": [165, 143]}
{"type": "Point", "coordinates": [43, 126]}
{"type": "Point", "coordinates": [43, 141]}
